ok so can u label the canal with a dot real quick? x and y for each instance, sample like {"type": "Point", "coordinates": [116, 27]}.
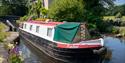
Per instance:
{"type": "Point", "coordinates": [115, 45]}
{"type": "Point", "coordinates": [27, 55]}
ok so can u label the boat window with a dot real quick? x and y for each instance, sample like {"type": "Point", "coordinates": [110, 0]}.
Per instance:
{"type": "Point", "coordinates": [25, 26]}
{"type": "Point", "coordinates": [37, 29]}
{"type": "Point", "coordinates": [31, 27]}
{"type": "Point", "coordinates": [21, 25]}
{"type": "Point", "coordinates": [49, 32]}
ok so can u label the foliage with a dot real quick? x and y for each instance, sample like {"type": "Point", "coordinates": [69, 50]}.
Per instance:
{"type": "Point", "coordinates": [24, 18]}
{"type": "Point", "coordinates": [122, 31]}
{"type": "Point", "coordinates": [105, 26]}
{"type": "Point", "coordinates": [36, 9]}
{"type": "Point", "coordinates": [3, 34]}
{"type": "Point", "coordinates": [41, 19]}
{"type": "Point", "coordinates": [66, 9]}
{"type": "Point", "coordinates": [2, 27]}
{"type": "Point", "coordinates": [14, 59]}
{"type": "Point", "coordinates": [114, 30]}
{"type": "Point", "coordinates": [106, 18]}
{"type": "Point", "coordinates": [94, 9]}
{"type": "Point", "coordinates": [118, 15]}
{"type": "Point", "coordinates": [17, 2]}
{"type": "Point", "coordinates": [13, 7]}
{"type": "Point", "coordinates": [123, 18]}
{"type": "Point", "coordinates": [6, 46]}
{"type": "Point", "coordinates": [5, 10]}
{"type": "Point", "coordinates": [92, 26]}
{"type": "Point", "coordinates": [112, 11]}
{"type": "Point", "coordinates": [44, 12]}
{"type": "Point", "coordinates": [86, 10]}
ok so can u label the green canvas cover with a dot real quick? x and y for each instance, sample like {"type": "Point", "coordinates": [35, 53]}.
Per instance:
{"type": "Point", "coordinates": [66, 32]}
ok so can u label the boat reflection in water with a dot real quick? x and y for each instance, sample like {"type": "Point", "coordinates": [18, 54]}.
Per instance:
{"type": "Point", "coordinates": [27, 55]}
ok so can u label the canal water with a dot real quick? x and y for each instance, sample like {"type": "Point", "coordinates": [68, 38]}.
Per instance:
{"type": "Point", "coordinates": [27, 55]}
{"type": "Point", "coordinates": [115, 45]}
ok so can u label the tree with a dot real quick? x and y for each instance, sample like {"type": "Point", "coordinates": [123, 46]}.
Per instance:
{"type": "Point", "coordinates": [37, 9]}
{"type": "Point", "coordinates": [118, 15]}
{"type": "Point", "coordinates": [5, 10]}
{"type": "Point", "coordinates": [90, 11]}
{"type": "Point", "coordinates": [75, 9]}
{"type": "Point", "coordinates": [13, 7]}
{"type": "Point", "coordinates": [44, 12]}
{"type": "Point", "coordinates": [94, 9]}
{"type": "Point", "coordinates": [16, 2]}
{"type": "Point", "coordinates": [112, 11]}
{"type": "Point", "coordinates": [66, 9]}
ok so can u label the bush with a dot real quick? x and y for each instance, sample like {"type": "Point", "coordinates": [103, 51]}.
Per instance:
{"type": "Point", "coordinates": [3, 35]}
{"type": "Point", "coordinates": [114, 30]}
{"type": "Point", "coordinates": [92, 26]}
{"type": "Point", "coordinates": [24, 18]}
{"type": "Point", "coordinates": [2, 27]}
{"type": "Point", "coordinates": [66, 10]}
{"type": "Point", "coordinates": [14, 59]}
{"type": "Point", "coordinates": [122, 31]}
{"type": "Point", "coordinates": [103, 27]}
{"type": "Point", "coordinates": [41, 19]}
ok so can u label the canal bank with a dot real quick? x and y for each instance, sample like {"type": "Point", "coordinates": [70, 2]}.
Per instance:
{"type": "Point", "coordinates": [5, 38]}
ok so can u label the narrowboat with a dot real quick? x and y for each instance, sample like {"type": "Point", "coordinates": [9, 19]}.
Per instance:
{"type": "Point", "coordinates": [61, 42]}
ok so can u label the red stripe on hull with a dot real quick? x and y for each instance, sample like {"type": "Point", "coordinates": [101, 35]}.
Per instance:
{"type": "Point", "coordinates": [45, 23]}
{"type": "Point", "coordinates": [77, 46]}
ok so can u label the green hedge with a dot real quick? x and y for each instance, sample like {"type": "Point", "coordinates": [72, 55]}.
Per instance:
{"type": "Point", "coordinates": [3, 34]}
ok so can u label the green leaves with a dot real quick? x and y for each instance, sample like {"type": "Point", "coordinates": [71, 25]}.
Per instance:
{"type": "Point", "coordinates": [5, 10]}
{"type": "Point", "coordinates": [13, 7]}
{"type": "Point", "coordinates": [14, 58]}
{"type": "Point", "coordinates": [3, 34]}
{"type": "Point", "coordinates": [62, 9]}
{"type": "Point", "coordinates": [112, 11]}
{"type": "Point", "coordinates": [78, 9]}
{"type": "Point", "coordinates": [37, 9]}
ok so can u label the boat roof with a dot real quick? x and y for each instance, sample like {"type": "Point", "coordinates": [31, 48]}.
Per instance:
{"type": "Point", "coordinates": [44, 23]}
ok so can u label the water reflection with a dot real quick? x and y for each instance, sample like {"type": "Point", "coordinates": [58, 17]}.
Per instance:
{"type": "Point", "coordinates": [27, 55]}
{"type": "Point", "coordinates": [117, 46]}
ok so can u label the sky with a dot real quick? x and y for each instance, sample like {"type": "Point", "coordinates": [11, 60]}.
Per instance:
{"type": "Point", "coordinates": [120, 2]}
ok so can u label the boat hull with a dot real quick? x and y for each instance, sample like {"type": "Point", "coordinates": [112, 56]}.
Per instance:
{"type": "Point", "coordinates": [49, 53]}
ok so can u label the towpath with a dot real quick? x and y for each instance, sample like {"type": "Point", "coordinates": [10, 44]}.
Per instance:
{"type": "Point", "coordinates": [13, 36]}
{"type": "Point", "coordinates": [3, 54]}
{"type": "Point", "coordinates": [3, 51]}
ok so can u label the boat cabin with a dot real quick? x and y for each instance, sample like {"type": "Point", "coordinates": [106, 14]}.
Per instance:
{"type": "Point", "coordinates": [65, 32]}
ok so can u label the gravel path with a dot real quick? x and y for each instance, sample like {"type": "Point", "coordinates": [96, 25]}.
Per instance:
{"type": "Point", "coordinates": [3, 54]}
{"type": "Point", "coordinates": [13, 36]}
